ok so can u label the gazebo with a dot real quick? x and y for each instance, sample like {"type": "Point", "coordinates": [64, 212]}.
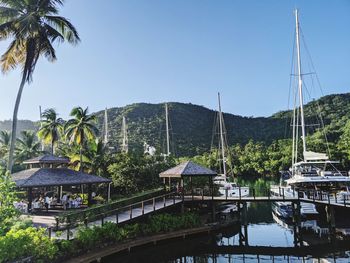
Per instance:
{"type": "Point", "coordinates": [191, 170]}
{"type": "Point", "coordinates": [50, 171]}
{"type": "Point", "coordinates": [46, 160]}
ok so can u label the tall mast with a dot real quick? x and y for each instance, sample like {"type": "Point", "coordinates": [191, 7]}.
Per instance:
{"type": "Point", "coordinates": [167, 130]}
{"type": "Point", "coordinates": [125, 147]}
{"type": "Point", "coordinates": [105, 135]}
{"type": "Point", "coordinates": [222, 136]}
{"type": "Point", "coordinates": [300, 82]}
{"type": "Point", "coordinates": [41, 118]}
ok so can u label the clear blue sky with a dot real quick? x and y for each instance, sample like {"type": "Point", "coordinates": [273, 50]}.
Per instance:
{"type": "Point", "coordinates": [185, 50]}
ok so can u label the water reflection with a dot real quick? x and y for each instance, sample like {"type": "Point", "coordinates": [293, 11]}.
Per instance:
{"type": "Point", "coordinates": [270, 239]}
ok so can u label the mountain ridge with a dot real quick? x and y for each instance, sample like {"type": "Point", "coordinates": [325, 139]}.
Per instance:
{"type": "Point", "coordinates": [192, 125]}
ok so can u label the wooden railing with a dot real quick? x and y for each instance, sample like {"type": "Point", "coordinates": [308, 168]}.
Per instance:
{"type": "Point", "coordinates": [165, 200]}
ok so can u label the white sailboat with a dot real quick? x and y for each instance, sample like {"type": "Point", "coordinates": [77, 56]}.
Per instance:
{"type": "Point", "coordinates": [167, 130]}
{"type": "Point", "coordinates": [226, 188]}
{"type": "Point", "coordinates": [313, 171]}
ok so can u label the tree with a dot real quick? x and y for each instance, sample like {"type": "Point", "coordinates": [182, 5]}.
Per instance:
{"type": "Point", "coordinates": [27, 146]}
{"type": "Point", "coordinates": [5, 138]}
{"type": "Point", "coordinates": [51, 128]}
{"type": "Point", "coordinates": [33, 26]}
{"type": "Point", "coordinates": [7, 196]}
{"type": "Point", "coordinates": [81, 129]}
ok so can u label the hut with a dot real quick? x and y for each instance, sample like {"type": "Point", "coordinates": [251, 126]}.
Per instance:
{"type": "Point", "coordinates": [189, 170]}
{"type": "Point", "coordinates": [50, 171]}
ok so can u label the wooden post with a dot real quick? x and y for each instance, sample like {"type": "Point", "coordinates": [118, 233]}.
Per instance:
{"type": "Point", "coordinates": [212, 188]}
{"type": "Point", "coordinates": [130, 211]}
{"type": "Point", "coordinates": [59, 194]}
{"type": "Point", "coordinates": [116, 217]}
{"type": "Point", "coordinates": [182, 195]}
{"type": "Point", "coordinates": [89, 194]}
{"type": "Point", "coordinates": [102, 220]}
{"type": "Point", "coordinates": [164, 201]}
{"type": "Point", "coordinates": [143, 208]}
{"type": "Point", "coordinates": [68, 231]}
{"type": "Point", "coordinates": [191, 187]}
{"type": "Point", "coordinates": [154, 204]}
{"type": "Point", "coordinates": [30, 199]}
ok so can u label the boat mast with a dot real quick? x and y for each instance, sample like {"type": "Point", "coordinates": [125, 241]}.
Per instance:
{"type": "Point", "coordinates": [125, 147]}
{"type": "Point", "coordinates": [41, 125]}
{"type": "Point", "coordinates": [167, 130]}
{"type": "Point", "coordinates": [105, 135]}
{"type": "Point", "coordinates": [222, 136]}
{"type": "Point", "coordinates": [300, 82]}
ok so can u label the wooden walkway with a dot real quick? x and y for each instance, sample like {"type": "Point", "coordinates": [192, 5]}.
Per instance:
{"type": "Point", "coordinates": [123, 215]}
{"type": "Point", "coordinates": [330, 201]}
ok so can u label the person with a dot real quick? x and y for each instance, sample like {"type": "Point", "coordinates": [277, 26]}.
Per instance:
{"type": "Point", "coordinates": [79, 201]}
{"type": "Point", "coordinates": [64, 201]}
{"type": "Point", "coordinates": [47, 203]}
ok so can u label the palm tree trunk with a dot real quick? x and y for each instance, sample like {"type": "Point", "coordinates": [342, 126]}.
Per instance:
{"type": "Point", "coordinates": [14, 123]}
{"type": "Point", "coordinates": [81, 158]}
{"type": "Point", "coordinates": [52, 147]}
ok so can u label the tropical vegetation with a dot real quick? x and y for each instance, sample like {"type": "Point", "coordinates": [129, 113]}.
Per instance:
{"type": "Point", "coordinates": [33, 27]}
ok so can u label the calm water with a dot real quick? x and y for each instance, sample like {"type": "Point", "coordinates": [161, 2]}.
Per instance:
{"type": "Point", "coordinates": [263, 230]}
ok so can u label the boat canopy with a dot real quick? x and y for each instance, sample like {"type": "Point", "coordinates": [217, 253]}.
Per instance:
{"type": "Point", "coordinates": [314, 156]}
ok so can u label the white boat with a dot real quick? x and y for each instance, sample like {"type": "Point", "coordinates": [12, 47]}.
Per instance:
{"type": "Point", "coordinates": [312, 172]}
{"type": "Point", "coordinates": [226, 188]}
{"type": "Point", "coordinates": [306, 209]}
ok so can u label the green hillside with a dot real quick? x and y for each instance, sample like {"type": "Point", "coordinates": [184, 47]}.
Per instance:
{"type": "Point", "coordinates": [192, 125]}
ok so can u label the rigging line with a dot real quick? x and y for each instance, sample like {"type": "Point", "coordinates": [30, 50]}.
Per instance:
{"type": "Point", "coordinates": [323, 130]}
{"type": "Point", "coordinates": [290, 85]}
{"type": "Point", "coordinates": [311, 61]}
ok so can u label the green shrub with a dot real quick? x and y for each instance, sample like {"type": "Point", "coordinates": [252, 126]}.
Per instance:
{"type": "Point", "coordinates": [29, 242]}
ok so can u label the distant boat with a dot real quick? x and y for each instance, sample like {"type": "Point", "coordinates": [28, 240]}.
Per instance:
{"type": "Point", "coordinates": [231, 189]}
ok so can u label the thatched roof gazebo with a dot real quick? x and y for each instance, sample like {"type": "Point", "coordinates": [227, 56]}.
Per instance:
{"type": "Point", "coordinates": [40, 177]}
{"type": "Point", "coordinates": [191, 170]}
{"type": "Point", "coordinates": [46, 160]}
{"type": "Point", "coordinates": [50, 171]}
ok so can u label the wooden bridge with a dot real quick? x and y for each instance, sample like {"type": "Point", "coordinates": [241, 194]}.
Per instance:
{"type": "Point", "coordinates": [137, 210]}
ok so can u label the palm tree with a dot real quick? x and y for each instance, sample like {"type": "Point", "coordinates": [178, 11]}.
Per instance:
{"type": "Point", "coordinates": [51, 128]}
{"type": "Point", "coordinates": [33, 26]}
{"type": "Point", "coordinates": [5, 138]}
{"type": "Point", "coordinates": [81, 129]}
{"type": "Point", "coordinates": [27, 146]}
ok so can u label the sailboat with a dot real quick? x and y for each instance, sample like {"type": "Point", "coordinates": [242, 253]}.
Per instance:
{"type": "Point", "coordinates": [125, 141]}
{"type": "Point", "coordinates": [226, 188]}
{"type": "Point", "coordinates": [312, 171]}
{"type": "Point", "coordinates": [167, 130]}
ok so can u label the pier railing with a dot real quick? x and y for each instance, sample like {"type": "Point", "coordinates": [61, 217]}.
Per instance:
{"type": "Point", "coordinates": [120, 214]}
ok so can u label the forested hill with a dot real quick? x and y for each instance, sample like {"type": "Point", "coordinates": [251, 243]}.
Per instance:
{"type": "Point", "coordinates": [192, 125]}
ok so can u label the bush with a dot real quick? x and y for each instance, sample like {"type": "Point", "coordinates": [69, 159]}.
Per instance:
{"type": "Point", "coordinates": [29, 242]}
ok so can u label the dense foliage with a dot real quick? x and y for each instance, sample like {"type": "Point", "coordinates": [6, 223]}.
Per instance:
{"type": "Point", "coordinates": [8, 213]}
{"type": "Point", "coordinates": [92, 238]}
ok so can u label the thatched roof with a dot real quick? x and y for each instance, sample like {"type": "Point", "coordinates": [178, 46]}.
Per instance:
{"type": "Point", "coordinates": [187, 169]}
{"type": "Point", "coordinates": [38, 177]}
{"type": "Point", "coordinates": [47, 159]}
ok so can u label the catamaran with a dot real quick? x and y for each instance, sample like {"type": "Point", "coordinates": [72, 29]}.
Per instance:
{"type": "Point", "coordinates": [226, 188]}
{"type": "Point", "coordinates": [313, 171]}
